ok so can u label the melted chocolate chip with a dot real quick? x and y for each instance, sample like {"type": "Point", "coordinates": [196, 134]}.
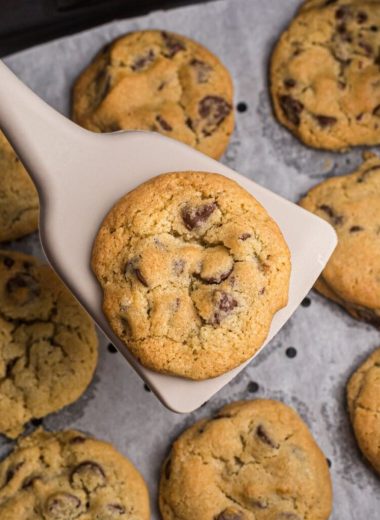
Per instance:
{"type": "Point", "coordinates": [62, 505]}
{"type": "Point", "coordinates": [164, 124]}
{"type": "Point", "coordinates": [142, 61]}
{"type": "Point", "coordinates": [342, 12]}
{"type": "Point", "coordinates": [326, 121]}
{"type": "Point", "coordinates": [362, 17]}
{"type": "Point", "coordinates": [141, 278]}
{"type": "Point", "coordinates": [337, 219]}
{"type": "Point", "coordinates": [88, 475]}
{"type": "Point", "coordinates": [264, 437]}
{"type": "Point", "coordinates": [202, 70]}
{"type": "Point", "coordinates": [214, 109]}
{"type": "Point", "coordinates": [225, 304]}
{"type": "Point", "coordinates": [245, 236]}
{"type": "Point", "coordinates": [8, 261]}
{"type": "Point", "coordinates": [172, 44]}
{"type": "Point", "coordinates": [355, 229]}
{"type": "Point", "coordinates": [193, 217]}
{"type": "Point", "coordinates": [376, 111]}
{"type": "Point", "coordinates": [292, 109]}
{"type": "Point", "coordinates": [23, 288]}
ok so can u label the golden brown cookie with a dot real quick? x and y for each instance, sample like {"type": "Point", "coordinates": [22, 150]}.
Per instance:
{"type": "Point", "coordinates": [325, 78]}
{"type": "Point", "coordinates": [351, 203]}
{"type": "Point", "coordinates": [67, 476]}
{"type": "Point", "coordinates": [48, 343]}
{"type": "Point", "coordinates": [192, 269]}
{"type": "Point", "coordinates": [19, 205]}
{"type": "Point", "coordinates": [255, 460]}
{"type": "Point", "coordinates": [363, 396]}
{"type": "Point", "coordinates": [159, 81]}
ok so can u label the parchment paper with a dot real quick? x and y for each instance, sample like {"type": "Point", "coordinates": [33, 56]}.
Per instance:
{"type": "Point", "coordinates": [329, 343]}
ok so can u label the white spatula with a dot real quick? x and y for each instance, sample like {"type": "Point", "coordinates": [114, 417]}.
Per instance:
{"type": "Point", "coordinates": [80, 175]}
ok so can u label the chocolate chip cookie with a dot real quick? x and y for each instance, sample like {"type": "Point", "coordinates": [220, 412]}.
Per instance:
{"type": "Point", "coordinates": [158, 81]}
{"type": "Point", "coordinates": [254, 460]}
{"type": "Point", "coordinates": [67, 476]}
{"type": "Point", "coordinates": [325, 74]}
{"type": "Point", "coordinates": [363, 396]}
{"type": "Point", "coordinates": [48, 344]}
{"type": "Point", "coordinates": [351, 203]}
{"type": "Point", "coordinates": [192, 269]}
{"type": "Point", "coordinates": [18, 197]}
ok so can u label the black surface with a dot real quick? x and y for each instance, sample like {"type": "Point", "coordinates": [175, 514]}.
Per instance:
{"type": "Point", "coordinates": [24, 23]}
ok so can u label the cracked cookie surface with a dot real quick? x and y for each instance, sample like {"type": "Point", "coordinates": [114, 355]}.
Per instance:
{"type": "Point", "coordinates": [158, 81]}
{"type": "Point", "coordinates": [19, 206]}
{"type": "Point", "coordinates": [363, 397]}
{"type": "Point", "coordinates": [255, 460]}
{"type": "Point", "coordinates": [325, 74]}
{"type": "Point", "coordinates": [351, 203]}
{"type": "Point", "coordinates": [66, 476]}
{"type": "Point", "coordinates": [48, 343]}
{"type": "Point", "coordinates": [192, 269]}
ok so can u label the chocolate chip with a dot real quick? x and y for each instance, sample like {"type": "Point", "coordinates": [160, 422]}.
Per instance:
{"type": "Point", "coordinates": [245, 236]}
{"type": "Point", "coordinates": [189, 123]}
{"type": "Point", "coordinates": [292, 109]}
{"type": "Point", "coordinates": [230, 514]}
{"type": "Point", "coordinates": [62, 505]}
{"type": "Point", "coordinates": [290, 83]}
{"type": "Point", "coordinates": [330, 2]}
{"type": "Point", "coordinates": [172, 44]}
{"type": "Point", "coordinates": [376, 111]}
{"type": "Point", "coordinates": [23, 288]}
{"type": "Point", "coordinates": [342, 12]}
{"type": "Point", "coordinates": [140, 277]}
{"type": "Point", "coordinates": [216, 279]}
{"type": "Point", "coordinates": [8, 261]}
{"type": "Point", "coordinates": [214, 109]}
{"type": "Point", "coordinates": [306, 302]}
{"type": "Point", "coordinates": [194, 217]}
{"type": "Point", "coordinates": [88, 475]}
{"type": "Point", "coordinates": [202, 70]}
{"type": "Point", "coordinates": [168, 467]}
{"type": "Point", "coordinates": [337, 219]}
{"type": "Point", "coordinates": [116, 509]}
{"type": "Point", "coordinates": [142, 61]}
{"type": "Point", "coordinates": [362, 17]}
{"type": "Point", "coordinates": [264, 437]}
{"type": "Point", "coordinates": [225, 304]}
{"type": "Point", "coordinates": [374, 28]}
{"type": "Point", "coordinates": [355, 229]}
{"type": "Point", "coordinates": [326, 121]}
{"type": "Point", "coordinates": [164, 124]}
